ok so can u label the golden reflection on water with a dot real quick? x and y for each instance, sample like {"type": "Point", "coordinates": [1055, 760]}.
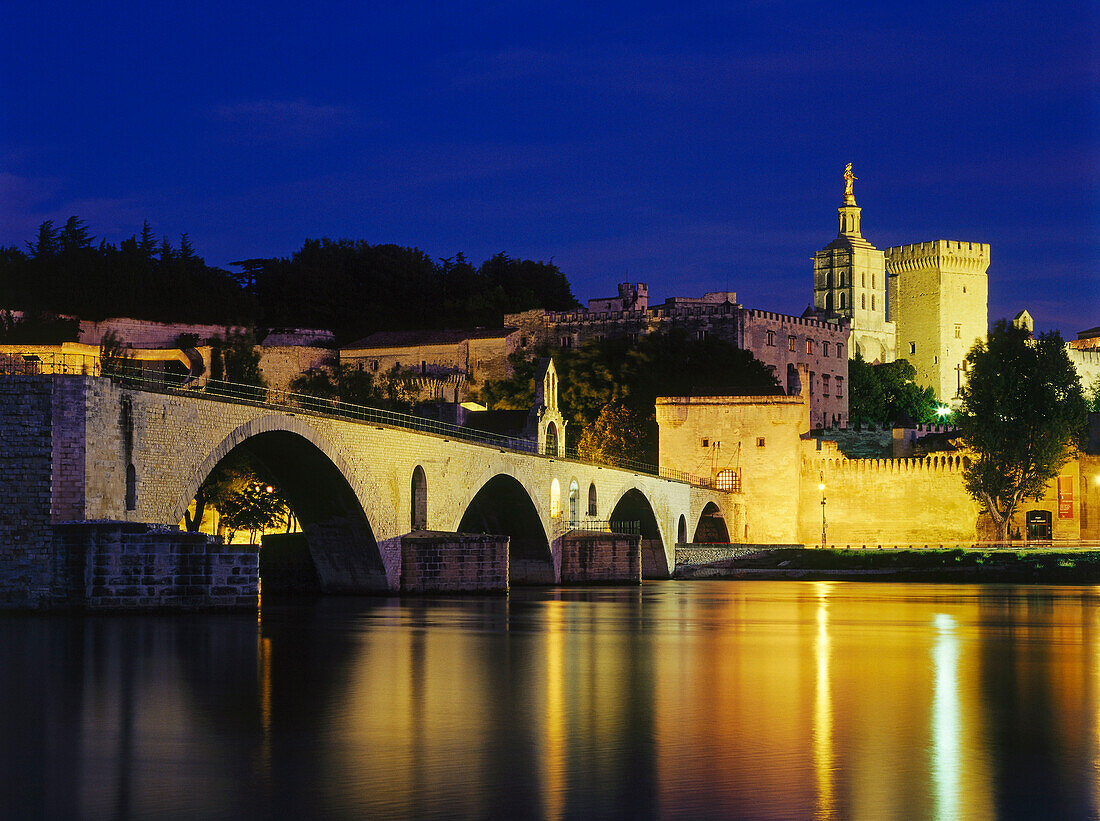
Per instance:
{"type": "Point", "coordinates": [823, 710]}
{"type": "Point", "coordinates": [554, 752]}
{"type": "Point", "coordinates": [717, 699]}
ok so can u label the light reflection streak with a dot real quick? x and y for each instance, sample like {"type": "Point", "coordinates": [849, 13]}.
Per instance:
{"type": "Point", "coordinates": [823, 710]}
{"type": "Point", "coordinates": [946, 719]}
{"type": "Point", "coordinates": [554, 741]}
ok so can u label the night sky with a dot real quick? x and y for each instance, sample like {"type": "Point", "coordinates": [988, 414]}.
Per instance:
{"type": "Point", "coordinates": [693, 146]}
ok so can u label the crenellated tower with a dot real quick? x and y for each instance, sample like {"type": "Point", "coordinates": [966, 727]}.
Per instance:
{"type": "Point", "coordinates": [850, 280]}
{"type": "Point", "coordinates": [938, 297]}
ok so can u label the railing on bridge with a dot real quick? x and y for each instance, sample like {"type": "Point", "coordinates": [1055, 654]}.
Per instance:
{"type": "Point", "coordinates": [134, 374]}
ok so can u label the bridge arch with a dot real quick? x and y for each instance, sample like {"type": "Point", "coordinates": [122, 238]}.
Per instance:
{"type": "Point", "coordinates": [314, 479]}
{"type": "Point", "coordinates": [711, 527]}
{"type": "Point", "coordinates": [633, 507]}
{"type": "Point", "coordinates": [503, 506]}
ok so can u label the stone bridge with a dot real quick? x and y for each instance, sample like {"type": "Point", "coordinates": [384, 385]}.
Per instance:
{"type": "Point", "coordinates": [130, 455]}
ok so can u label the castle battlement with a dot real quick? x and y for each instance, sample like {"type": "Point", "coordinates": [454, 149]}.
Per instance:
{"type": "Point", "coordinates": [955, 255]}
{"type": "Point", "coordinates": [793, 320]}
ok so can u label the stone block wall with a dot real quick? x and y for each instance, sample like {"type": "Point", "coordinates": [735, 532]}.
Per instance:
{"type": "Point", "coordinates": [600, 558]}
{"type": "Point", "coordinates": [123, 565]}
{"type": "Point", "coordinates": [436, 562]}
{"type": "Point", "coordinates": [26, 455]}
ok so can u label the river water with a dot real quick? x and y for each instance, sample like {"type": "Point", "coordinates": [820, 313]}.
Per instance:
{"type": "Point", "coordinates": [724, 699]}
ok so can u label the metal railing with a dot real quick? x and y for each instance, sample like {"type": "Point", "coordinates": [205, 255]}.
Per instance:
{"type": "Point", "coordinates": [154, 378]}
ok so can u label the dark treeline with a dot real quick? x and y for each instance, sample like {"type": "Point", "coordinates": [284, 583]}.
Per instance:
{"type": "Point", "coordinates": [356, 288]}
{"type": "Point", "coordinates": [351, 287]}
{"type": "Point", "coordinates": [67, 272]}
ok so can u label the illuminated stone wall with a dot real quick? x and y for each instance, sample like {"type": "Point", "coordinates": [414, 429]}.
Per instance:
{"type": "Point", "coordinates": [759, 436]}
{"type": "Point", "coordinates": [884, 501]}
{"type": "Point", "coordinates": [938, 300]}
{"type": "Point", "coordinates": [280, 365]}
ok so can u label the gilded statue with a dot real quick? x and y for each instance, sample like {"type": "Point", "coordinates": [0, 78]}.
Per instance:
{"type": "Point", "coordinates": [849, 178]}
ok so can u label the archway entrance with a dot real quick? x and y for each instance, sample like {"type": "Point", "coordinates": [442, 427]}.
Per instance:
{"type": "Point", "coordinates": [336, 551]}
{"type": "Point", "coordinates": [633, 514]}
{"type": "Point", "coordinates": [502, 507]}
{"type": "Point", "coordinates": [711, 528]}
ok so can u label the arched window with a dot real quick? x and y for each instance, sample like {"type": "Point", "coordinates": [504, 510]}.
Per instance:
{"type": "Point", "coordinates": [728, 480]}
{"type": "Point", "coordinates": [842, 305]}
{"type": "Point", "coordinates": [829, 301]}
{"type": "Point", "coordinates": [555, 498]}
{"type": "Point", "coordinates": [551, 440]}
{"type": "Point", "coordinates": [574, 502]}
{"type": "Point", "coordinates": [131, 488]}
{"type": "Point", "coordinates": [863, 301]}
{"type": "Point", "coordinates": [872, 302]}
{"type": "Point", "coordinates": [682, 530]}
{"type": "Point", "coordinates": [419, 499]}
{"type": "Point", "coordinates": [592, 511]}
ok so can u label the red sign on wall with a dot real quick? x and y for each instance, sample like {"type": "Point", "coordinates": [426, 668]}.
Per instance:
{"type": "Point", "coordinates": [1065, 497]}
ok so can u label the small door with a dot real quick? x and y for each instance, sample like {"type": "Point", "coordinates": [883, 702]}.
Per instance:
{"type": "Point", "coordinates": [1038, 526]}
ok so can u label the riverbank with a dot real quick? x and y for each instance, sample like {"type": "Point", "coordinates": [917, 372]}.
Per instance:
{"type": "Point", "coordinates": [1033, 566]}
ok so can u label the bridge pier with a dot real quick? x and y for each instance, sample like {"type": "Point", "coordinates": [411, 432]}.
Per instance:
{"type": "Point", "coordinates": [589, 557]}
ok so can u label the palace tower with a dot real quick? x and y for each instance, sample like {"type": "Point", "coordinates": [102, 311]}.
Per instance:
{"type": "Point", "coordinates": [850, 280]}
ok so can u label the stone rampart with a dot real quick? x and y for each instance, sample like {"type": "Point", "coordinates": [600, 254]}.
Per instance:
{"type": "Point", "coordinates": [875, 501]}
{"type": "Point", "coordinates": [600, 558]}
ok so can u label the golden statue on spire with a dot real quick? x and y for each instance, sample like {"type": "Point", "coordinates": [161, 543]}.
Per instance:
{"type": "Point", "coordinates": [849, 178]}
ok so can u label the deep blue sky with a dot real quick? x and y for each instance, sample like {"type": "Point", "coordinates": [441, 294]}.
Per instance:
{"type": "Point", "coordinates": [693, 146]}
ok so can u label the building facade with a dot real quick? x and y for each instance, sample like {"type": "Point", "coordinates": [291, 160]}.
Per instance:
{"type": "Point", "coordinates": [814, 341]}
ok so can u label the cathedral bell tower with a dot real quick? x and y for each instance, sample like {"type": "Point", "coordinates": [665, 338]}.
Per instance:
{"type": "Point", "coordinates": [850, 280]}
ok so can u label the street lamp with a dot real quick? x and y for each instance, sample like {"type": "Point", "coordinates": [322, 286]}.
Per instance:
{"type": "Point", "coordinates": [821, 487]}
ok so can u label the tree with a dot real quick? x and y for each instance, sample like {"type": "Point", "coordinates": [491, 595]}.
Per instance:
{"type": "Point", "coordinates": [1023, 414]}
{"type": "Point", "coordinates": [614, 436]}
{"type": "Point", "coordinates": [885, 392]}
{"type": "Point", "coordinates": [1093, 396]}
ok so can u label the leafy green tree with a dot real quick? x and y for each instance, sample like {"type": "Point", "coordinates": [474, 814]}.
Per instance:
{"type": "Point", "coordinates": [1093, 396]}
{"type": "Point", "coordinates": [236, 358]}
{"type": "Point", "coordinates": [1023, 414]}
{"type": "Point", "coordinates": [255, 508]}
{"type": "Point", "coordinates": [115, 359]}
{"type": "Point", "coordinates": [886, 392]}
{"type": "Point", "coordinates": [614, 437]}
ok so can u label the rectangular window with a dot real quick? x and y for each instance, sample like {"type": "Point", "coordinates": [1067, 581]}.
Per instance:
{"type": "Point", "coordinates": [809, 346]}
{"type": "Point", "coordinates": [824, 348]}
{"type": "Point", "coordinates": [702, 335]}
{"type": "Point", "coordinates": [840, 386]}
{"type": "Point", "coordinates": [958, 331]}
{"type": "Point", "coordinates": [771, 338]}
{"type": "Point", "coordinates": [912, 347]}
{"type": "Point", "coordinates": [790, 343]}
{"type": "Point", "coordinates": [812, 376]}
{"type": "Point", "coordinates": [825, 385]}
{"type": "Point", "coordinates": [839, 350]}
{"type": "Point", "coordinates": [706, 443]}
{"type": "Point", "coordinates": [760, 441]}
